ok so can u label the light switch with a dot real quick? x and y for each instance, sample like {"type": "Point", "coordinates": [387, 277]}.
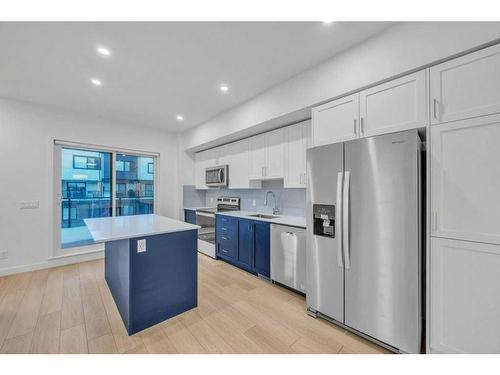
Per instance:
{"type": "Point", "coordinates": [29, 205]}
{"type": "Point", "coordinates": [141, 246]}
{"type": "Point", "coordinates": [254, 203]}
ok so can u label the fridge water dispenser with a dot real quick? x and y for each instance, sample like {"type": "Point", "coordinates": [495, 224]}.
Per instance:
{"type": "Point", "coordinates": [324, 220]}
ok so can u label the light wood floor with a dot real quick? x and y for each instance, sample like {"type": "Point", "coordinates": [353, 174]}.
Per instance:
{"type": "Point", "coordinates": [70, 310]}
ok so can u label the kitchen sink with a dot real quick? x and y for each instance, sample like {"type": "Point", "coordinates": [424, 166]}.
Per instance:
{"type": "Point", "coordinates": [262, 216]}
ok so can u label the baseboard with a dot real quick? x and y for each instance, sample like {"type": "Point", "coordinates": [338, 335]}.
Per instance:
{"type": "Point", "coordinates": [54, 262]}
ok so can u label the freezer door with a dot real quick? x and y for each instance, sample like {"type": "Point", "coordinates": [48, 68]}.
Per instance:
{"type": "Point", "coordinates": [382, 283]}
{"type": "Point", "coordinates": [325, 273]}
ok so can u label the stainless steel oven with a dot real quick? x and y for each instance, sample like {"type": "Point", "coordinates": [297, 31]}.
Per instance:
{"type": "Point", "coordinates": [205, 218]}
{"type": "Point", "coordinates": [216, 176]}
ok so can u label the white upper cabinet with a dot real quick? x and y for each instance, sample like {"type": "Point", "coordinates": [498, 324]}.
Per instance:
{"type": "Point", "coordinates": [297, 138]}
{"type": "Point", "coordinates": [336, 121]}
{"type": "Point", "coordinates": [267, 155]}
{"type": "Point", "coordinates": [275, 154]}
{"type": "Point", "coordinates": [257, 154]}
{"type": "Point", "coordinates": [203, 160]}
{"type": "Point", "coordinates": [465, 179]}
{"type": "Point", "coordinates": [466, 87]}
{"type": "Point", "coordinates": [239, 164]}
{"type": "Point", "coordinates": [394, 106]}
{"type": "Point", "coordinates": [465, 303]}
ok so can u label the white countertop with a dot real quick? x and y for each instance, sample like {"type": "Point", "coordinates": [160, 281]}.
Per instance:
{"type": "Point", "coordinates": [122, 227]}
{"type": "Point", "coordinates": [295, 221]}
{"type": "Point", "coordinates": [197, 208]}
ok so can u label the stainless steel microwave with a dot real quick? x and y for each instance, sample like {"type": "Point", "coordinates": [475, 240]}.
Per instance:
{"type": "Point", "coordinates": [216, 176]}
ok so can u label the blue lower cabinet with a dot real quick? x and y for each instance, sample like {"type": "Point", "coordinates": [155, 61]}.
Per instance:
{"type": "Point", "coordinates": [244, 243]}
{"type": "Point", "coordinates": [262, 248]}
{"type": "Point", "coordinates": [190, 216]}
{"type": "Point", "coordinates": [226, 229]}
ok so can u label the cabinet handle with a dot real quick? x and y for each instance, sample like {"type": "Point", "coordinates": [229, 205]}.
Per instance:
{"type": "Point", "coordinates": [362, 126]}
{"type": "Point", "coordinates": [355, 128]}
{"type": "Point", "coordinates": [262, 171]}
{"type": "Point", "coordinates": [251, 228]}
{"type": "Point", "coordinates": [434, 105]}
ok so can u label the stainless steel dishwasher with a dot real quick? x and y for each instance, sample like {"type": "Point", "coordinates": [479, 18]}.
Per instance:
{"type": "Point", "coordinates": [288, 256]}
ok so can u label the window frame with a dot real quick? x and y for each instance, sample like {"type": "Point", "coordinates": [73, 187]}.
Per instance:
{"type": "Point", "coordinates": [55, 191]}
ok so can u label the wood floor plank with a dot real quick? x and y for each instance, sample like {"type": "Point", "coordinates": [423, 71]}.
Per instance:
{"type": "Point", "coordinates": [211, 341]}
{"type": "Point", "coordinates": [271, 326]}
{"type": "Point", "coordinates": [27, 313]}
{"type": "Point", "coordinates": [73, 340]}
{"type": "Point", "coordinates": [184, 342]}
{"type": "Point", "coordinates": [96, 320]}
{"type": "Point", "coordinates": [103, 345]}
{"type": "Point", "coordinates": [8, 310]}
{"type": "Point", "coordinates": [53, 296]}
{"type": "Point", "coordinates": [266, 341]}
{"type": "Point", "coordinates": [171, 326]}
{"type": "Point", "coordinates": [70, 309]}
{"type": "Point", "coordinates": [46, 336]}
{"type": "Point", "coordinates": [156, 340]}
{"type": "Point", "coordinates": [123, 341]}
{"type": "Point", "coordinates": [306, 345]}
{"type": "Point", "coordinates": [18, 345]}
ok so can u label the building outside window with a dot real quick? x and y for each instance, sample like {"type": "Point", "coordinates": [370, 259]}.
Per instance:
{"type": "Point", "coordinates": [86, 191]}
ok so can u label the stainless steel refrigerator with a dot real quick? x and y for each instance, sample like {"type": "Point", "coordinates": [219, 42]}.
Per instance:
{"type": "Point", "coordinates": [364, 237]}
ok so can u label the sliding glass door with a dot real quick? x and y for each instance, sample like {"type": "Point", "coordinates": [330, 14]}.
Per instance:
{"type": "Point", "coordinates": [93, 183]}
{"type": "Point", "coordinates": [134, 184]}
{"type": "Point", "coordinates": [85, 193]}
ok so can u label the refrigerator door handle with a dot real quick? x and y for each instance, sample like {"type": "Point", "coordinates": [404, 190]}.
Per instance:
{"type": "Point", "coordinates": [345, 220]}
{"type": "Point", "coordinates": [338, 220]}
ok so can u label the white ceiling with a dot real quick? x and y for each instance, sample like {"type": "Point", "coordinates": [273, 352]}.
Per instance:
{"type": "Point", "coordinates": [159, 70]}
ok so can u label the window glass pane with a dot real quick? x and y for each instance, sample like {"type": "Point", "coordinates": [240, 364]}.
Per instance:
{"type": "Point", "coordinates": [86, 193]}
{"type": "Point", "coordinates": [134, 185]}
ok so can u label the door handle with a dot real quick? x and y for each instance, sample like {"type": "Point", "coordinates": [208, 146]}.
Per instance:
{"type": "Point", "coordinates": [338, 212]}
{"type": "Point", "coordinates": [345, 220]}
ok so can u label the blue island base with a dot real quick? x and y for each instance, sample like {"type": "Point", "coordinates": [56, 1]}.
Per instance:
{"type": "Point", "coordinates": [152, 286]}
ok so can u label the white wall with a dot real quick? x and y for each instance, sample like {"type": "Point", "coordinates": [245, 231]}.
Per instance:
{"type": "Point", "coordinates": [397, 50]}
{"type": "Point", "coordinates": [26, 143]}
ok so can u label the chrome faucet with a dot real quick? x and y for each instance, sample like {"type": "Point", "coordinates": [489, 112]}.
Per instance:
{"type": "Point", "coordinates": [275, 208]}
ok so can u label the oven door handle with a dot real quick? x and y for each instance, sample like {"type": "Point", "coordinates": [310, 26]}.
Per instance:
{"type": "Point", "coordinates": [206, 214]}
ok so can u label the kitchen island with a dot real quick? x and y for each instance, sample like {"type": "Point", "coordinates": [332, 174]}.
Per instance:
{"type": "Point", "coordinates": [150, 266]}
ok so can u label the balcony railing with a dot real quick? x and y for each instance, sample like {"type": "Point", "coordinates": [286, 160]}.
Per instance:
{"type": "Point", "coordinates": [74, 210]}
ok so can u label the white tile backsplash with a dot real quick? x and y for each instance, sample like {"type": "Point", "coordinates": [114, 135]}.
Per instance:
{"type": "Point", "coordinates": [290, 201]}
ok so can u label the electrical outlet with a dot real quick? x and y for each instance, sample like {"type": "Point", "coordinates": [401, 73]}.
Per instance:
{"type": "Point", "coordinates": [211, 200]}
{"type": "Point", "coordinates": [141, 246]}
{"type": "Point", "coordinates": [29, 205]}
{"type": "Point", "coordinates": [4, 255]}
{"type": "Point", "coordinates": [254, 203]}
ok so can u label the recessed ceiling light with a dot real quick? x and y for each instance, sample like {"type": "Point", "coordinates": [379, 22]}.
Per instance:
{"type": "Point", "coordinates": [96, 82]}
{"type": "Point", "coordinates": [328, 22]}
{"type": "Point", "coordinates": [179, 117]}
{"type": "Point", "coordinates": [224, 88]}
{"type": "Point", "coordinates": [104, 51]}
